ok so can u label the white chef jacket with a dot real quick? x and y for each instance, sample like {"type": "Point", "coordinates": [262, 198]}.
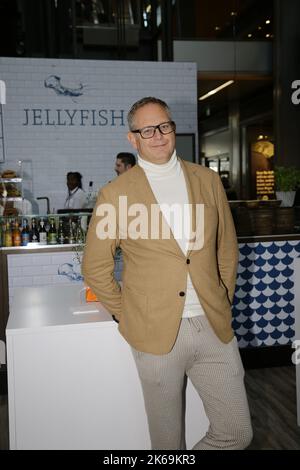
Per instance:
{"type": "Point", "coordinates": [76, 199]}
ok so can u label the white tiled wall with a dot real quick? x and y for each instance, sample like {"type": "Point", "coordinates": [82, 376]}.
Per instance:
{"type": "Point", "coordinates": [53, 150]}
{"type": "Point", "coordinates": [40, 269]}
{"type": "Point", "coordinates": [43, 269]}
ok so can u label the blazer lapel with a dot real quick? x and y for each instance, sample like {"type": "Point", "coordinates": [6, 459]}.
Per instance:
{"type": "Point", "coordinates": [193, 184]}
{"type": "Point", "coordinates": [139, 183]}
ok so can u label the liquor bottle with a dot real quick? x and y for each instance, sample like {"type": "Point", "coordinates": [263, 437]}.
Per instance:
{"type": "Point", "coordinates": [8, 235]}
{"type": "Point", "coordinates": [1, 234]}
{"type": "Point", "coordinates": [47, 226]}
{"type": "Point", "coordinates": [34, 233]}
{"type": "Point", "coordinates": [16, 234]}
{"type": "Point", "coordinates": [80, 237]}
{"type": "Point", "coordinates": [91, 196]}
{"type": "Point", "coordinates": [25, 236]}
{"type": "Point", "coordinates": [61, 234]}
{"type": "Point", "coordinates": [42, 233]}
{"type": "Point", "coordinates": [52, 234]}
{"type": "Point", "coordinates": [71, 232]}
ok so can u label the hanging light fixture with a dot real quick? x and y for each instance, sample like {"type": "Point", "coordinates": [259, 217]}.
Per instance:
{"type": "Point", "coordinates": [216, 90]}
{"type": "Point", "coordinates": [233, 14]}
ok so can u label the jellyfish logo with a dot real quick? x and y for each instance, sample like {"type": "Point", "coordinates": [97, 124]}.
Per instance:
{"type": "Point", "coordinates": [67, 269]}
{"type": "Point", "coordinates": [54, 82]}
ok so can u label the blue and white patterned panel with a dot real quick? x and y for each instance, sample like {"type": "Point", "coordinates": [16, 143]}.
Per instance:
{"type": "Point", "coordinates": [263, 305]}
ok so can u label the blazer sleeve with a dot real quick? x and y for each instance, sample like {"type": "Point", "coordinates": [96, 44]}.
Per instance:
{"type": "Point", "coordinates": [98, 256]}
{"type": "Point", "coordinates": [227, 246]}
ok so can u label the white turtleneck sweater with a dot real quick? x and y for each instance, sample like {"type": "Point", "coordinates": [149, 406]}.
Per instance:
{"type": "Point", "coordinates": [168, 184]}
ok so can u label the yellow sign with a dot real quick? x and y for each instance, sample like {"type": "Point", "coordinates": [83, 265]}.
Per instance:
{"type": "Point", "coordinates": [265, 184]}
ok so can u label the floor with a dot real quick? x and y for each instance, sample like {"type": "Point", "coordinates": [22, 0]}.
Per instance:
{"type": "Point", "coordinates": [272, 401]}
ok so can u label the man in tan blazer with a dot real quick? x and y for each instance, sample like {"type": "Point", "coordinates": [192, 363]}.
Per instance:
{"type": "Point", "coordinates": [174, 308]}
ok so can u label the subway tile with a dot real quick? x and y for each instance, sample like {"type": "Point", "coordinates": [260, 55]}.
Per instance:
{"type": "Point", "coordinates": [22, 282]}
{"type": "Point", "coordinates": [41, 280]}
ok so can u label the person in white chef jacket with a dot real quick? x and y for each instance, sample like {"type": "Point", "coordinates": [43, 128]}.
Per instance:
{"type": "Point", "coordinates": [76, 198]}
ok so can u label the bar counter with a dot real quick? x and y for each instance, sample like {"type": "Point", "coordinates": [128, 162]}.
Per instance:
{"type": "Point", "coordinates": [264, 300]}
{"type": "Point", "coordinates": [72, 376]}
{"type": "Point", "coordinates": [26, 266]}
{"type": "Point", "coordinates": [263, 306]}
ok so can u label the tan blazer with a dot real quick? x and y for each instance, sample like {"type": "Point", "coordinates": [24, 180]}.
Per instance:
{"type": "Point", "coordinates": [150, 305]}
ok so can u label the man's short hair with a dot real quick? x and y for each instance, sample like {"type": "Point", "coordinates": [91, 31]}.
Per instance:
{"type": "Point", "coordinates": [127, 158]}
{"type": "Point", "coordinates": [142, 102]}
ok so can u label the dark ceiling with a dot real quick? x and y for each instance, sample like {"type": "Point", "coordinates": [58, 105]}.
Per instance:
{"type": "Point", "coordinates": [34, 28]}
{"type": "Point", "coordinates": [252, 95]}
{"type": "Point", "coordinates": [220, 19]}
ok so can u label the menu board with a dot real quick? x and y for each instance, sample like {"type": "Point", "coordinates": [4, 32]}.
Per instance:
{"type": "Point", "coordinates": [265, 184]}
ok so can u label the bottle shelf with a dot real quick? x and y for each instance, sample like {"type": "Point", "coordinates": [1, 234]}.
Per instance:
{"type": "Point", "coordinates": [10, 180]}
{"type": "Point", "coordinates": [53, 230]}
{"type": "Point", "coordinates": [12, 199]}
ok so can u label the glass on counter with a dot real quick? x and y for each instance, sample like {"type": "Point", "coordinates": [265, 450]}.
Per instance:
{"type": "Point", "coordinates": [43, 230]}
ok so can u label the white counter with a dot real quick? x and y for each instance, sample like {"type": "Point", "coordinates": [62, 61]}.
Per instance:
{"type": "Point", "coordinates": [72, 381]}
{"type": "Point", "coordinates": [54, 307]}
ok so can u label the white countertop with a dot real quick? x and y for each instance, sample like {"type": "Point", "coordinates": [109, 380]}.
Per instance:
{"type": "Point", "coordinates": [38, 247]}
{"type": "Point", "coordinates": [38, 308]}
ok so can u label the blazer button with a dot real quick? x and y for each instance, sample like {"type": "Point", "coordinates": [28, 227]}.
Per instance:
{"type": "Point", "coordinates": [182, 294]}
{"type": "Point", "coordinates": [188, 261]}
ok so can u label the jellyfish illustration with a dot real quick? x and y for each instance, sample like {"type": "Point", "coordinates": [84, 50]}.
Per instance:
{"type": "Point", "coordinates": [67, 269]}
{"type": "Point", "coordinates": [54, 82]}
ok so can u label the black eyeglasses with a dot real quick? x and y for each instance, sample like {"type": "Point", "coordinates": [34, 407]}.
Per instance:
{"type": "Point", "coordinates": [149, 131]}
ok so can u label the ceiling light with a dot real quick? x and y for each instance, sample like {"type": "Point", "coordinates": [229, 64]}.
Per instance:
{"type": "Point", "coordinates": [217, 28]}
{"type": "Point", "coordinates": [268, 21]}
{"type": "Point", "coordinates": [216, 90]}
{"type": "Point", "coordinates": [259, 28]}
{"type": "Point", "coordinates": [249, 35]}
{"type": "Point", "coordinates": [267, 35]}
